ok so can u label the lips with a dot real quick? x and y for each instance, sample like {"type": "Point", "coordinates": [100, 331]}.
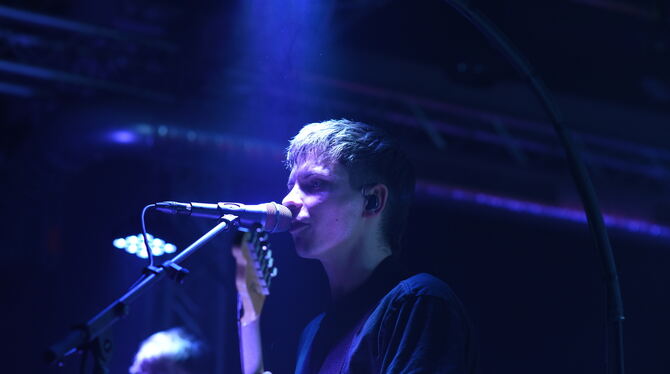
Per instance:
{"type": "Point", "coordinates": [297, 226]}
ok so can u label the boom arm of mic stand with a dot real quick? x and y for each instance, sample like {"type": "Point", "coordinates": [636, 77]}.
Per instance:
{"type": "Point", "coordinates": [82, 336]}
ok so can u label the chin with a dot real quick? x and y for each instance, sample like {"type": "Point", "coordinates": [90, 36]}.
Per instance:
{"type": "Point", "coordinates": [308, 250]}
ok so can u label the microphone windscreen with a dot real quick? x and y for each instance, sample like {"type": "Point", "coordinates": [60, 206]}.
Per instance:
{"type": "Point", "coordinates": [279, 218]}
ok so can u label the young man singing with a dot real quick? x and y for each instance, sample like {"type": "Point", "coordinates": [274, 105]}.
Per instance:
{"type": "Point", "coordinates": [350, 189]}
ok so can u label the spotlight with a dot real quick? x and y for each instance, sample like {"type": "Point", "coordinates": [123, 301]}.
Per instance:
{"type": "Point", "coordinates": [134, 245]}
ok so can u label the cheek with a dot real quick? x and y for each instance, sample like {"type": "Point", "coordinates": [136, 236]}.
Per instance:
{"type": "Point", "coordinates": [341, 213]}
{"type": "Point", "coordinates": [332, 212]}
{"type": "Point", "coordinates": [311, 206]}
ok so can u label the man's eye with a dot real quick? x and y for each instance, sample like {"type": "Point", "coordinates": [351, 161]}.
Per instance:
{"type": "Point", "coordinates": [314, 185]}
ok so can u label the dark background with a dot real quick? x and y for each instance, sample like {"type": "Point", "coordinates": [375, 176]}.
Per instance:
{"type": "Point", "coordinates": [107, 106]}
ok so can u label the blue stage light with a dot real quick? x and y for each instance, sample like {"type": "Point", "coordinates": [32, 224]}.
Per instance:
{"type": "Point", "coordinates": [156, 250]}
{"type": "Point", "coordinates": [132, 249]}
{"type": "Point", "coordinates": [123, 137]}
{"type": "Point", "coordinates": [169, 248]}
{"type": "Point", "coordinates": [134, 244]}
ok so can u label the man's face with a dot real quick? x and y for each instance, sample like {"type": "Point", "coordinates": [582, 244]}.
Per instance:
{"type": "Point", "coordinates": [327, 211]}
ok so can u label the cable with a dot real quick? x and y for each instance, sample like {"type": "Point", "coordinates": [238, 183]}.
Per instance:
{"type": "Point", "coordinates": [146, 244]}
{"type": "Point", "coordinates": [144, 234]}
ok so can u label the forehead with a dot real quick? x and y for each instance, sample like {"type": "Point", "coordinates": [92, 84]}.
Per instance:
{"type": "Point", "coordinates": [310, 166]}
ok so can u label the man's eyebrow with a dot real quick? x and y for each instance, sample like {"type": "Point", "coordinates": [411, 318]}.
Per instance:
{"type": "Point", "coordinates": [305, 174]}
{"type": "Point", "coordinates": [291, 180]}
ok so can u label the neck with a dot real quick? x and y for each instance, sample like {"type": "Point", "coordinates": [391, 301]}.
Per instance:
{"type": "Point", "coordinates": [352, 267]}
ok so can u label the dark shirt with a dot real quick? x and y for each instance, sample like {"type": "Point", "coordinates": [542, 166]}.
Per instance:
{"type": "Point", "coordinates": [391, 324]}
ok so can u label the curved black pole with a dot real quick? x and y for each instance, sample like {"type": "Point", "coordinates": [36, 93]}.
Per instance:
{"type": "Point", "coordinates": [615, 316]}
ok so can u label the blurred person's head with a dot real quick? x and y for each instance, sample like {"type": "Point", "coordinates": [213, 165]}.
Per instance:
{"type": "Point", "coordinates": [172, 351]}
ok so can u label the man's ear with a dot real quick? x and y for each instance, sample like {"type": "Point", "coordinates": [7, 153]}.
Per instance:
{"type": "Point", "coordinates": [375, 199]}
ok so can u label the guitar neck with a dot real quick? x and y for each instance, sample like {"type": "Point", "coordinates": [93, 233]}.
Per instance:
{"type": "Point", "coordinates": [255, 270]}
{"type": "Point", "coordinates": [251, 350]}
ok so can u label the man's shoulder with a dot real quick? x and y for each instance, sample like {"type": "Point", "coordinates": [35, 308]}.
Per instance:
{"type": "Point", "coordinates": [416, 302]}
{"type": "Point", "coordinates": [422, 285]}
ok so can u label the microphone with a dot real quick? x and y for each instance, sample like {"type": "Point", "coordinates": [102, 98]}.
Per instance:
{"type": "Point", "coordinates": [272, 216]}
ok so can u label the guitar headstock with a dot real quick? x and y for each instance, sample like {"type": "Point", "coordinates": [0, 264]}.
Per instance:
{"type": "Point", "coordinates": [255, 270]}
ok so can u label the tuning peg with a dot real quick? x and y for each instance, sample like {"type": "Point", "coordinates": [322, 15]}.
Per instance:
{"type": "Point", "coordinates": [254, 235]}
{"type": "Point", "coordinates": [265, 266]}
{"type": "Point", "coordinates": [268, 277]}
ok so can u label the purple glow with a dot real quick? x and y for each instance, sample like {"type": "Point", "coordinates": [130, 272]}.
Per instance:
{"type": "Point", "coordinates": [537, 209]}
{"type": "Point", "coordinates": [123, 137]}
{"type": "Point", "coordinates": [148, 134]}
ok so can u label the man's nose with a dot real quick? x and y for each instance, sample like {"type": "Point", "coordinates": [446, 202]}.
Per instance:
{"type": "Point", "coordinates": [292, 201]}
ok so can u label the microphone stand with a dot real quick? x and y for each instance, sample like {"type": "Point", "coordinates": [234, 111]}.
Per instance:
{"type": "Point", "coordinates": [94, 337]}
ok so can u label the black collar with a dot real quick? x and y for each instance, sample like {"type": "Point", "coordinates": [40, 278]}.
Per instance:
{"type": "Point", "coordinates": [353, 306]}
